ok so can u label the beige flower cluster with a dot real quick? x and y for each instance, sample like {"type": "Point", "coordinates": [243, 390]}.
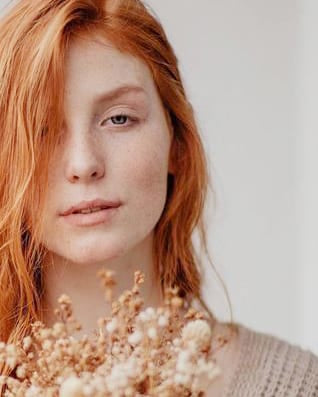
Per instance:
{"type": "Point", "coordinates": [135, 352]}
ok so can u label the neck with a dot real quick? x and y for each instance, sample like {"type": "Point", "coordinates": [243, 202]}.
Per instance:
{"type": "Point", "coordinates": [82, 285]}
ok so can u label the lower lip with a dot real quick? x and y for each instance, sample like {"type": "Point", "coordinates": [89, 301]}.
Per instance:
{"type": "Point", "coordinates": [91, 219]}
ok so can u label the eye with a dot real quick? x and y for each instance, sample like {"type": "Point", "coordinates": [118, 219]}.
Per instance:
{"type": "Point", "coordinates": [120, 120]}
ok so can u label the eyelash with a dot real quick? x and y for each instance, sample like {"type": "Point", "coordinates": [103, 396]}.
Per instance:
{"type": "Point", "coordinates": [132, 120]}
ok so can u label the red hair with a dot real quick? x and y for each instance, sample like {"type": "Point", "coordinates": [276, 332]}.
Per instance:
{"type": "Point", "coordinates": [34, 39]}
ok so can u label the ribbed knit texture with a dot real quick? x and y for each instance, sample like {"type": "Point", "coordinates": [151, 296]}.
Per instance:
{"type": "Point", "coordinates": [270, 367]}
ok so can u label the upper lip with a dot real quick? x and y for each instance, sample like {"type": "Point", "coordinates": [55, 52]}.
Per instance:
{"type": "Point", "coordinates": [91, 204]}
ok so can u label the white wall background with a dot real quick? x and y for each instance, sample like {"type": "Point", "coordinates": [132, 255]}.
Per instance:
{"type": "Point", "coordinates": [250, 69]}
{"type": "Point", "coordinates": [307, 145]}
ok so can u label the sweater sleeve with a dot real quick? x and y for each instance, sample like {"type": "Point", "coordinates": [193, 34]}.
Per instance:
{"type": "Point", "coordinates": [271, 367]}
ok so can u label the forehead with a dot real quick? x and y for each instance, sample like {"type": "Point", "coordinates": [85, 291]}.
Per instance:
{"type": "Point", "coordinates": [94, 65]}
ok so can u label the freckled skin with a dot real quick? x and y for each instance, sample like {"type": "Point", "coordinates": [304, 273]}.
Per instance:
{"type": "Point", "coordinates": [131, 163]}
{"type": "Point", "coordinates": [98, 158]}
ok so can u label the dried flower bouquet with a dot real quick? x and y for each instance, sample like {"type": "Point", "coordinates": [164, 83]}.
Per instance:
{"type": "Point", "coordinates": [135, 352]}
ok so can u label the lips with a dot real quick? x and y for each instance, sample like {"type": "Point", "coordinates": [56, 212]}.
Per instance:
{"type": "Point", "coordinates": [86, 207]}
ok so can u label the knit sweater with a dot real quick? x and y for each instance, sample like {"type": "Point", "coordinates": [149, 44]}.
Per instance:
{"type": "Point", "coordinates": [267, 366]}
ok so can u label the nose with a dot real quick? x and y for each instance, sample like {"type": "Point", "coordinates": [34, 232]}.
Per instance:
{"type": "Point", "coordinates": [84, 160]}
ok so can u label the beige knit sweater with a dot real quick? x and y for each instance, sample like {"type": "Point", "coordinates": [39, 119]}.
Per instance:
{"type": "Point", "coordinates": [267, 366]}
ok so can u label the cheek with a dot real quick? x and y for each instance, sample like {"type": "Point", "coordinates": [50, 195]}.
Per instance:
{"type": "Point", "coordinates": [147, 177]}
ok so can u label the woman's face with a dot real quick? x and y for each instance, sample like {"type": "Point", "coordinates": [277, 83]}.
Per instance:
{"type": "Point", "coordinates": [114, 146]}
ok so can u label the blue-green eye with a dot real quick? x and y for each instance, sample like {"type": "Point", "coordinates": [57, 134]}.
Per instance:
{"type": "Point", "coordinates": [119, 119]}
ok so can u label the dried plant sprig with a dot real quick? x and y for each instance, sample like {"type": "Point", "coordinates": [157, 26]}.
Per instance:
{"type": "Point", "coordinates": [153, 352]}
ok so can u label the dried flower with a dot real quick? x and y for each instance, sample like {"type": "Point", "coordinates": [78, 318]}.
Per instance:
{"type": "Point", "coordinates": [153, 352]}
{"type": "Point", "coordinates": [72, 387]}
{"type": "Point", "coordinates": [199, 332]}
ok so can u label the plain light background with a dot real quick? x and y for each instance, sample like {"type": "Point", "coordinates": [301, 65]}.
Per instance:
{"type": "Point", "coordinates": [250, 70]}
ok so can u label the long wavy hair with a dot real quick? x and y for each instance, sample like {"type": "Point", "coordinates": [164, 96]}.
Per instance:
{"type": "Point", "coordinates": [34, 39]}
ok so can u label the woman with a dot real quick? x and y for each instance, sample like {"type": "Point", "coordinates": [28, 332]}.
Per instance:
{"type": "Point", "coordinates": [102, 165]}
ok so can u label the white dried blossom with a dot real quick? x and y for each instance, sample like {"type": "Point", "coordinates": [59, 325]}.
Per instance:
{"type": "Point", "coordinates": [183, 361]}
{"type": "Point", "coordinates": [147, 314]}
{"type": "Point", "coordinates": [150, 311]}
{"type": "Point", "coordinates": [58, 329]}
{"type": "Point", "coordinates": [213, 371]}
{"type": "Point", "coordinates": [45, 333]}
{"type": "Point", "coordinates": [135, 338]}
{"type": "Point", "coordinates": [11, 349]}
{"type": "Point", "coordinates": [47, 344]}
{"type": "Point", "coordinates": [21, 371]}
{"type": "Point", "coordinates": [72, 387]}
{"type": "Point", "coordinates": [182, 379]}
{"type": "Point", "coordinates": [198, 331]}
{"type": "Point", "coordinates": [163, 321]}
{"type": "Point", "coordinates": [11, 362]}
{"type": "Point", "coordinates": [118, 378]}
{"type": "Point", "coordinates": [142, 316]}
{"type": "Point", "coordinates": [98, 383]}
{"type": "Point", "coordinates": [56, 355]}
{"type": "Point", "coordinates": [152, 333]}
{"type": "Point", "coordinates": [112, 325]}
{"type": "Point", "coordinates": [27, 341]}
{"type": "Point", "coordinates": [88, 390]}
{"type": "Point", "coordinates": [33, 391]}
{"type": "Point", "coordinates": [203, 377]}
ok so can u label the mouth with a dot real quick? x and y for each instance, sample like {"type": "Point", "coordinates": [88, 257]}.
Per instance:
{"type": "Point", "coordinates": [90, 210]}
{"type": "Point", "coordinates": [90, 213]}
{"type": "Point", "coordinates": [87, 207]}
{"type": "Point", "coordinates": [91, 216]}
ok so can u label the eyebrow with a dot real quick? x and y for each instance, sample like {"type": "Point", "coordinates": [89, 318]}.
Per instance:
{"type": "Point", "coordinates": [118, 92]}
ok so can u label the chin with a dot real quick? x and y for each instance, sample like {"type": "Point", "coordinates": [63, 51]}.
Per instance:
{"type": "Point", "coordinates": [94, 255]}
{"type": "Point", "coordinates": [90, 252]}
